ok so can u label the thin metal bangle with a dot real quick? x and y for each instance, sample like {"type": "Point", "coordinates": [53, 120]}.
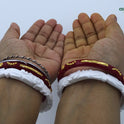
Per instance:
{"type": "Point", "coordinates": [29, 59]}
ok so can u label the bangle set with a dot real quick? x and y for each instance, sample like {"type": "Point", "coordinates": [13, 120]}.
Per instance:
{"type": "Point", "coordinates": [29, 59]}
{"type": "Point", "coordinates": [92, 63]}
{"type": "Point", "coordinates": [30, 68]}
{"type": "Point", "coordinates": [34, 75]}
{"type": "Point", "coordinates": [107, 74]}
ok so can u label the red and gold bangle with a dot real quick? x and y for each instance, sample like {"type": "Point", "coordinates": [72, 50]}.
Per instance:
{"type": "Point", "coordinates": [29, 59]}
{"type": "Point", "coordinates": [92, 63]}
{"type": "Point", "coordinates": [30, 68]}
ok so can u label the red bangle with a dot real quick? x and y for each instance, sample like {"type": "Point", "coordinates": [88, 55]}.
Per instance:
{"type": "Point", "coordinates": [17, 64]}
{"type": "Point", "coordinates": [92, 63]}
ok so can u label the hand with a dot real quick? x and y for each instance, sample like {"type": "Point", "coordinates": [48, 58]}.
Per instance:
{"type": "Point", "coordinates": [43, 42]}
{"type": "Point", "coordinates": [94, 38]}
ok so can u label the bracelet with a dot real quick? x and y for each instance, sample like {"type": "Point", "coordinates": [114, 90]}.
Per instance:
{"type": "Point", "coordinates": [94, 75]}
{"type": "Point", "coordinates": [27, 67]}
{"type": "Point", "coordinates": [29, 59]}
{"type": "Point", "coordinates": [30, 75]}
{"type": "Point", "coordinates": [110, 75]}
{"type": "Point", "coordinates": [92, 63]}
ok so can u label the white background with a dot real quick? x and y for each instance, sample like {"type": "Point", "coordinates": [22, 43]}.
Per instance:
{"type": "Point", "coordinates": [26, 12]}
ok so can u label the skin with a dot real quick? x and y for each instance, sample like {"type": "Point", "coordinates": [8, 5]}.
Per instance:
{"type": "Point", "coordinates": [91, 101]}
{"type": "Point", "coordinates": [14, 106]}
{"type": "Point", "coordinates": [43, 42]}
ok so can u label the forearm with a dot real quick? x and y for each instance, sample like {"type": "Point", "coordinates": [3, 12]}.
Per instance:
{"type": "Point", "coordinates": [19, 103]}
{"type": "Point", "coordinates": [89, 102]}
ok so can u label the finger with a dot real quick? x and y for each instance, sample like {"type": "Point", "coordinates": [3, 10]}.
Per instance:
{"type": "Point", "coordinates": [69, 42]}
{"type": "Point", "coordinates": [79, 36]}
{"type": "Point", "coordinates": [88, 28]}
{"type": "Point", "coordinates": [33, 31]}
{"type": "Point", "coordinates": [113, 30]}
{"type": "Point", "coordinates": [54, 36]}
{"type": "Point", "coordinates": [45, 32]}
{"type": "Point", "coordinates": [99, 25]}
{"type": "Point", "coordinates": [12, 32]}
{"type": "Point", "coordinates": [59, 47]}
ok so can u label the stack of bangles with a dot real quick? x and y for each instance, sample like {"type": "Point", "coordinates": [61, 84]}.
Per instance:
{"type": "Point", "coordinates": [37, 77]}
{"type": "Point", "coordinates": [108, 74]}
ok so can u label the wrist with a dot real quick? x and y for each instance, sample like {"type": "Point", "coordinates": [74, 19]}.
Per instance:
{"type": "Point", "coordinates": [30, 75]}
{"type": "Point", "coordinates": [103, 67]}
{"type": "Point", "coordinates": [70, 71]}
{"type": "Point", "coordinates": [29, 60]}
{"type": "Point", "coordinates": [16, 95]}
{"type": "Point", "coordinates": [91, 86]}
{"type": "Point", "coordinates": [90, 95]}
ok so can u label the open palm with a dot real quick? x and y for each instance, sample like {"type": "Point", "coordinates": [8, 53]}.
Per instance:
{"type": "Point", "coordinates": [43, 42]}
{"type": "Point", "coordinates": [95, 39]}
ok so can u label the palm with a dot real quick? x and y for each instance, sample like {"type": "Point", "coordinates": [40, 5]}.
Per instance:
{"type": "Point", "coordinates": [42, 42]}
{"type": "Point", "coordinates": [99, 51]}
{"type": "Point", "coordinates": [45, 56]}
{"type": "Point", "coordinates": [107, 45]}
{"type": "Point", "coordinates": [77, 53]}
{"type": "Point", "coordinates": [109, 51]}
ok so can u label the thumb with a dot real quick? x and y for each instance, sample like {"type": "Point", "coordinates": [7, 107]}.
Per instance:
{"type": "Point", "coordinates": [113, 29]}
{"type": "Point", "coordinates": [13, 32]}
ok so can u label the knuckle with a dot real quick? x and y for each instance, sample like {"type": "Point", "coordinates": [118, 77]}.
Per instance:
{"type": "Point", "coordinates": [44, 34]}
{"type": "Point", "coordinates": [52, 40]}
{"type": "Point", "coordinates": [89, 34]}
{"type": "Point", "coordinates": [79, 37]}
